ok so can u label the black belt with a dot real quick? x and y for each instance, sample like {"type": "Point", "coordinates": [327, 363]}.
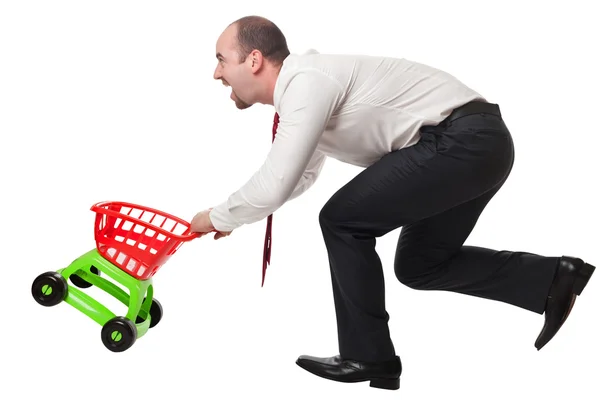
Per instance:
{"type": "Point", "coordinates": [474, 107]}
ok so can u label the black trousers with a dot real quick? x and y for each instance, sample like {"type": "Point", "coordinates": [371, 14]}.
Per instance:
{"type": "Point", "coordinates": [436, 191]}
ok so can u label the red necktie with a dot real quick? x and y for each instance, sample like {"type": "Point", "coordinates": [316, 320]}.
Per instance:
{"type": "Point", "coordinates": [267, 249]}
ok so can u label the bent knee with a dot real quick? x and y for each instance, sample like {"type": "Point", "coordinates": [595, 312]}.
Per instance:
{"type": "Point", "coordinates": [333, 213]}
{"type": "Point", "coordinates": [413, 274]}
{"type": "Point", "coordinates": [411, 281]}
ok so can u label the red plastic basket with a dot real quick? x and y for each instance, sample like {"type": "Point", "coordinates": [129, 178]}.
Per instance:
{"type": "Point", "coordinates": [138, 239]}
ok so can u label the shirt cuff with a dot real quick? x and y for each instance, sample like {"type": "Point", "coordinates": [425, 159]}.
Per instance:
{"type": "Point", "coordinates": [222, 219]}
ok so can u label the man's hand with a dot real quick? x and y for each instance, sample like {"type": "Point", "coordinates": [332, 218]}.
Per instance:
{"type": "Point", "coordinates": [202, 224]}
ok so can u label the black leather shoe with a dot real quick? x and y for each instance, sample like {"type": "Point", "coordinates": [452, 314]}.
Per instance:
{"type": "Point", "coordinates": [572, 275]}
{"type": "Point", "coordinates": [385, 375]}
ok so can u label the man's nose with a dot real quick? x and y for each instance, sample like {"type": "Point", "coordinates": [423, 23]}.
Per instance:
{"type": "Point", "coordinates": [217, 73]}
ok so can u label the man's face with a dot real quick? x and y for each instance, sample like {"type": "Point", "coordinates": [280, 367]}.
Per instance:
{"type": "Point", "coordinates": [230, 70]}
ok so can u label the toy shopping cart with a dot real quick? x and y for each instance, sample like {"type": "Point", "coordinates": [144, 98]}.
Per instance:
{"type": "Point", "coordinates": [132, 243]}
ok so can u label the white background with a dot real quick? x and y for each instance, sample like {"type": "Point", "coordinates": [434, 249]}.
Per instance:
{"type": "Point", "coordinates": [115, 100]}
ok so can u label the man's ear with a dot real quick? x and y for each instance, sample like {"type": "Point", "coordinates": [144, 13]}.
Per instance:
{"type": "Point", "coordinates": [256, 60]}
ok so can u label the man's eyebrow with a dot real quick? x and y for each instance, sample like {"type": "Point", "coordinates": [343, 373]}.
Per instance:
{"type": "Point", "coordinates": [220, 56]}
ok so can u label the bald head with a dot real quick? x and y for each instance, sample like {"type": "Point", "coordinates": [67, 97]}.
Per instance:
{"type": "Point", "coordinates": [258, 33]}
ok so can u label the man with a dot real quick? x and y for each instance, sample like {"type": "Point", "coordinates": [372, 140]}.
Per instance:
{"type": "Point", "coordinates": [434, 153]}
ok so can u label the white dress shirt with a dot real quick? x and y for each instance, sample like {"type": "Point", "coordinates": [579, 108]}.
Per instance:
{"type": "Point", "coordinates": [353, 108]}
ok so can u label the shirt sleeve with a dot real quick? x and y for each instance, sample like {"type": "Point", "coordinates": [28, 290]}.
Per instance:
{"type": "Point", "coordinates": [306, 106]}
{"type": "Point", "coordinates": [310, 175]}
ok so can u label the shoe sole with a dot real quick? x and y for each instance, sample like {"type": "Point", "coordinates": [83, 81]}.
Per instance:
{"type": "Point", "coordinates": [382, 383]}
{"type": "Point", "coordinates": [583, 278]}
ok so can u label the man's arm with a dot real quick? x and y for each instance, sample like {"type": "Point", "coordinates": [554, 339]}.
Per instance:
{"type": "Point", "coordinates": [310, 175]}
{"type": "Point", "coordinates": [305, 109]}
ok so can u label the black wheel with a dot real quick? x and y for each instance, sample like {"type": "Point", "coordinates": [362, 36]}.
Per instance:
{"type": "Point", "coordinates": [81, 283]}
{"type": "Point", "coordinates": [119, 334]}
{"type": "Point", "coordinates": [49, 289]}
{"type": "Point", "coordinates": [156, 312]}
